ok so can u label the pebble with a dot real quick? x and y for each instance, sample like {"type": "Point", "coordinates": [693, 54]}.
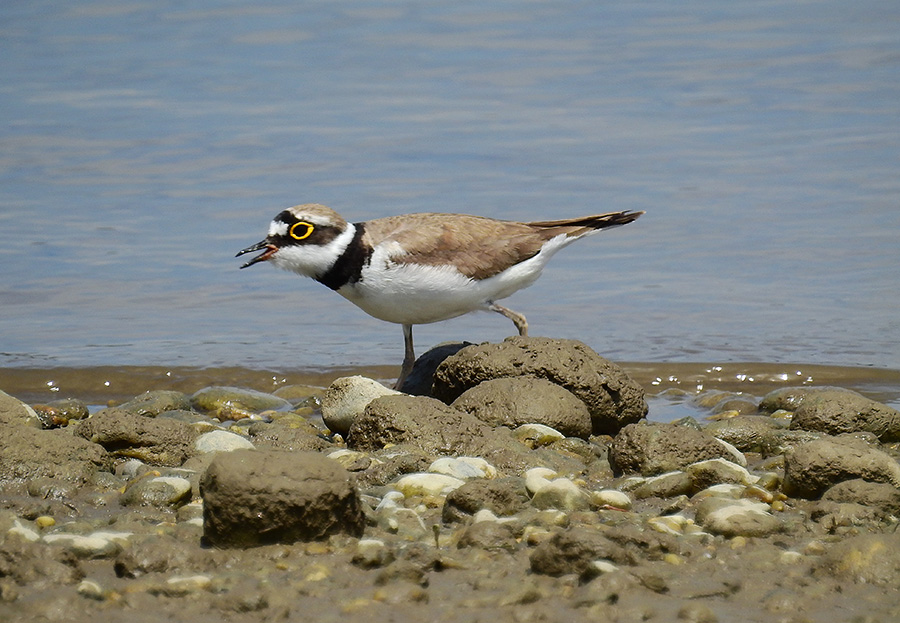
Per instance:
{"type": "Point", "coordinates": [91, 589]}
{"type": "Point", "coordinates": [179, 586]}
{"type": "Point", "coordinates": [463, 467]}
{"type": "Point", "coordinates": [537, 478]}
{"type": "Point", "coordinates": [221, 441]}
{"type": "Point", "coordinates": [24, 531]}
{"type": "Point", "coordinates": [537, 435]}
{"type": "Point", "coordinates": [561, 494]}
{"type": "Point", "coordinates": [346, 398]}
{"type": "Point", "coordinates": [160, 491]}
{"type": "Point", "coordinates": [611, 498]}
{"type": "Point", "coordinates": [427, 484]}
{"type": "Point", "coordinates": [737, 517]}
{"type": "Point", "coordinates": [92, 546]}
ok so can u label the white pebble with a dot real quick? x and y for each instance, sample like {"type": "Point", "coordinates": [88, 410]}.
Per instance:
{"type": "Point", "coordinates": [221, 441]}
{"type": "Point", "coordinates": [464, 467]}
{"type": "Point", "coordinates": [427, 484]}
{"type": "Point", "coordinates": [537, 478]}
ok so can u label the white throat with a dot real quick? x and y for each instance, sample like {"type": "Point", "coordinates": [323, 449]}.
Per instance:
{"type": "Point", "coordinates": [313, 260]}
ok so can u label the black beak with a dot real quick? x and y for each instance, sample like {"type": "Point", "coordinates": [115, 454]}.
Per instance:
{"type": "Point", "coordinates": [270, 250]}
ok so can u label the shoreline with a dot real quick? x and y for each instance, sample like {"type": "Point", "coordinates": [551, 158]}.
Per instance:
{"type": "Point", "coordinates": [100, 384]}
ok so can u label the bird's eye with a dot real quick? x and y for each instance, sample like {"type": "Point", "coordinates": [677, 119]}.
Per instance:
{"type": "Point", "coordinates": [300, 230]}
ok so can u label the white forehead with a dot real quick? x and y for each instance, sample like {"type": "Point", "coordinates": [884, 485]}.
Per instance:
{"type": "Point", "coordinates": [277, 228]}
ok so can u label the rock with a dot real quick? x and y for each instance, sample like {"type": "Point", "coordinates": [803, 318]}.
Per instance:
{"type": "Point", "coordinates": [574, 551]}
{"type": "Point", "coordinates": [883, 497]}
{"type": "Point", "coordinates": [790, 398]}
{"type": "Point", "coordinates": [162, 554]}
{"type": "Point", "coordinates": [161, 492]}
{"type": "Point", "coordinates": [537, 435]}
{"type": "Point", "coordinates": [152, 403]}
{"type": "Point", "coordinates": [488, 535]}
{"type": "Point", "coordinates": [867, 558]}
{"type": "Point", "coordinates": [562, 494]}
{"type": "Point", "coordinates": [234, 403]}
{"type": "Point", "coordinates": [838, 411]}
{"type": "Point", "coordinates": [748, 433]}
{"type": "Point", "coordinates": [514, 401]}
{"type": "Point", "coordinates": [427, 484]}
{"type": "Point", "coordinates": [611, 498]}
{"type": "Point", "coordinates": [98, 545]}
{"type": "Point", "coordinates": [28, 453]}
{"type": "Point", "coordinates": [14, 411]}
{"type": "Point", "coordinates": [652, 448]}
{"type": "Point", "coordinates": [372, 554]}
{"type": "Point", "coordinates": [668, 485]}
{"type": "Point", "coordinates": [421, 378]}
{"type": "Point", "coordinates": [255, 497]}
{"type": "Point", "coordinates": [424, 423]}
{"type": "Point", "coordinates": [537, 478]}
{"type": "Point", "coordinates": [347, 398]}
{"type": "Point", "coordinates": [152, 441]}
{"type": "Point", "coordinates": [26, 563]}
{"type": "Point", "coordinates": [811, 468]}
{"type": "Point", "coordinates": [737, 517]}
{"type": "Point", "coordinates": [717, 471]}
{"type": "Point", "coordinates": [221, 441]}
{"type": "Point", "coordinates": [58, 413]}
{"type": "Point", "coordinates": [503, 497]}
{"type": "Point", "coordinates": [463, 467]}
{"type": "Point", "coordinates": [289, 432]}
{"type": "Point", "coordinates": [613, 399]}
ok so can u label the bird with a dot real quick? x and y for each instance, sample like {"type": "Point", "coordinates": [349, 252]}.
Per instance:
{"type": "Point", "coordinates": [424, 267]}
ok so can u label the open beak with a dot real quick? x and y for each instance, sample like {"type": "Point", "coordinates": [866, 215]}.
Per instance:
{"type": "Point", "coordinates": [270, 250]}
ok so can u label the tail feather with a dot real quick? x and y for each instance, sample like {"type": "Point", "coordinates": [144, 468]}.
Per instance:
{"type": "Point", "coordinates": [586, 224]}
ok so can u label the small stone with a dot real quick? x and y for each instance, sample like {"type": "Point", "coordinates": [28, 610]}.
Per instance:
{"type": "Point", "coordinates": [562, 494]}
{"type": "Point", "coordinates": [221, 441]}
{"type": "Point", "coordinates": [463, 467]}
{"type": "Point", "coordinates": [537, 478]}
{"type": "Point", "coordinates": [372, 553]}
{"type": "Point", "coordinates": [697, 613]}
{"type": "Point", "coordinates": [427, 484]}
{"type": "Point", "coordinates": [81, 546]}
{"type": "Point", "coordinates": [537, 435]}
{"type": "Point", "coordinates": [488, 535]}
{"type": "Point", "coordinates": [152, 403]}
{"type": "Point", "coordinates": [234, 403]}
{"type": "Point", "coordinates": [612, 498]}
{"type": "Point", "coordinates": [351, 460]}
{"type": "Point", "coordinates": [669, 524]}
{"type": "Point", "coordinates": [161, 492]}
{"type": "Point", "coordinates": [737, 517]}
{"type": "Point", "coordinates": [669, 485]}
{"type": "Point", "coordinates": [717, 471]}
{"type": "Point", "coordinates": [180, 586]}
{"type": "Point", "coordinates": [346, 398]}
{"type": "Point", "coordinates": [91, 589]}
{"type": "Point", "coordinates": [24, 531]}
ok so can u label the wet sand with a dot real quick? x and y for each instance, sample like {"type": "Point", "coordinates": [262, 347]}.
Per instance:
{"type": "Point", "coordinates": [103, 384]}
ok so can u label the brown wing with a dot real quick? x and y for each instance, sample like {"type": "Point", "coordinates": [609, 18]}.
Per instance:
{"type": "Point", "coordinates": [479, 247]}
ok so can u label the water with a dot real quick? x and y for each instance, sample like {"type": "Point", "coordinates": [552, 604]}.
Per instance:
{"type": "Point", "coordinates": [144, 144]}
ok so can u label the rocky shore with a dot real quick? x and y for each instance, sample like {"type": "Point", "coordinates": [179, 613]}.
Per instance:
{"type": "Point", "coordinates": [518, 481]}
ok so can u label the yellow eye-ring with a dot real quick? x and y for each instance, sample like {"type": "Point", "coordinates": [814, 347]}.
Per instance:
{"type": "Point", "coordinates": [300, 230]}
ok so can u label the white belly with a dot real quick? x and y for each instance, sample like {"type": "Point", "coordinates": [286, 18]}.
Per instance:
{"type": "Point", "coordinates": [417, 294]}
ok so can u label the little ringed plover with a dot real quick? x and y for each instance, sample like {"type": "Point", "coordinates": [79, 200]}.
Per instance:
{"type": "Point", "coordinates": [421, 268]}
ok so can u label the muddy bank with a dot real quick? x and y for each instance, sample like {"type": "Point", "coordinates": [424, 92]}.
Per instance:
{"type": "Point", "coordinates": [526, 485]}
